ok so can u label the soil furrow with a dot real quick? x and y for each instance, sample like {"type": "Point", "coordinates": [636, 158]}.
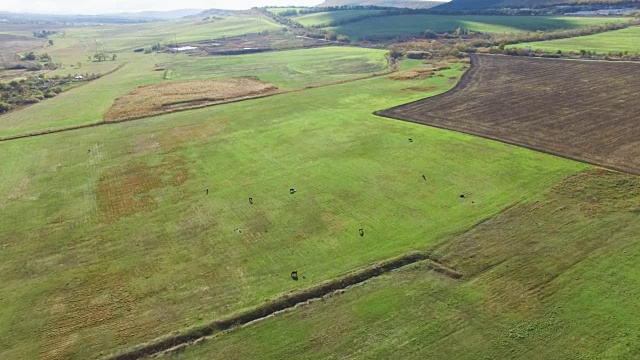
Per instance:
{"type": "Point", "coordinates": [283, 303]}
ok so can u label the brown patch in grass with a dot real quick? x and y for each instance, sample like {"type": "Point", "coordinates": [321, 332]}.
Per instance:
{"type": "Point", "coordinates": [421, 88]}
{"type": "Point", "coordinates": [172, 96]}
{"type": "Point", "coordinates": [179, 177]}
{"type": "Point", "coordinates": [413, 74]}
{"type": "Point", "coordinates": [428, 70]}
{"type": "Point", "coordinates": [82, 304]}
{"type": "Point", "coordinates": [332, 222]}
{"type": "Point", "coordinates": [125, 190]}
{"type": "Point", "coordinates": [599, 191]}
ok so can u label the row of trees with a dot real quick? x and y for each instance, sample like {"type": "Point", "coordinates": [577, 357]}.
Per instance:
{"type": "Point", "coordinates": [44, 34]}
{"type": "Point", "coordinates": [100, 56]}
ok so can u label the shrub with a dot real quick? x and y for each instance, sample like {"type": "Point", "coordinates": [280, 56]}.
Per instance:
{"type": "Point", "coordinates": [395, 54]}
{"type": "Point", "coordinates": [418, 55]}
{"type": "Point", "coordinates": [343, 38]}
{"type": "Point", "coordinates": [4, 107]}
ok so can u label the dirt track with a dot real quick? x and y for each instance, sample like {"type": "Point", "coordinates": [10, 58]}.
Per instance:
{"type": "Point", "coordinates": [588, 111]}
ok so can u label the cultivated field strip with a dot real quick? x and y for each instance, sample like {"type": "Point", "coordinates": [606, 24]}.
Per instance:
{"type": "Point", "coordinates": [587, 111]}
{"type": "Point", "coordinates": [283, 303]}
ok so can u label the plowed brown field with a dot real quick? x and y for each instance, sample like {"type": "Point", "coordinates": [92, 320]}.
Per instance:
{"type": "Point", "coordinates": [588, 111]}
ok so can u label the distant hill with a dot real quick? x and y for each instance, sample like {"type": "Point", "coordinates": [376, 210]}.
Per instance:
{"type": "Point", "coordinates": [161, 15]}
{"type": "Point", "coordinates": [413, 4]}
{"type": "Point", "coordinates": [492, 4]}
{"type": "Point", "coordinates": [211, 12]}
{"type": "Point", "coordinates": [101, 18]}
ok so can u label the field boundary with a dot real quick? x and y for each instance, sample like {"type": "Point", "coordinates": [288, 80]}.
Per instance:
{"type": "Point", "coordinates": [281, 304]}
{"type": "Point", "coordinates": [388, 113]}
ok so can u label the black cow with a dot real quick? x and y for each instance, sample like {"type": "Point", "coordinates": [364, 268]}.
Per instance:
{"type": "Point", "coordinates": [294, 275]}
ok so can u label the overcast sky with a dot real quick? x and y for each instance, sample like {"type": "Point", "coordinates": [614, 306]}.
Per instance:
{"type": "Point", "coordinates": [112, 6]}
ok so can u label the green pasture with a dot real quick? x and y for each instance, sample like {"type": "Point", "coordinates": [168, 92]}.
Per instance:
{"type": "Point", "coordinates": [410, 25]}
{"type": "Point", "coordinates": [278, 11]}
{"type": "Point", "coordinates": [325, 18]}
{"type": "Point", "coordinates": [622, 40]}
{"type": "Point", "coordinates": [109, 238]}
{"type": "Point", "coordinates": [295, 69]}
{"type": "Point", "coordinates": [115, 38]}
{"type": "Point", "coordinates": [554, 277]}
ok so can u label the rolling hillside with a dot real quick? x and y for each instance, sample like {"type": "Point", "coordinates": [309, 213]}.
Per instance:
{"type": "Point", "coordinates": [413, 4]}
{"type": "Point", "coordinates": [486, 4]}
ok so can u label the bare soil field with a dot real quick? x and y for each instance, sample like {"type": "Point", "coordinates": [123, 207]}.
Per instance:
{"type": "Point", "coordinates": [252, 43]}
{"type": "Point", "coordinates": [582, 110]}
{"type": "Point", "coordinates": [169, 97]}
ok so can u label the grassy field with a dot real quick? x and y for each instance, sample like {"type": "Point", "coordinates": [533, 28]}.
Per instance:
{"type": "Point", "coordinates": [408, 25]}
{"type": "Point", "coordinates": [110, 240]}
{"type": "Point", "coordinates": [295, 69]}
{"type": "Point", "coordinates": [117, 38]}
{"type": "Point", "coordinates": [281, 10]}
{"type": "Point", "coordinates": [325, 18]}
{"type": "Point", "coordinates": [613, 41]}
{"type": "Point", "coordinates": [551, 278]}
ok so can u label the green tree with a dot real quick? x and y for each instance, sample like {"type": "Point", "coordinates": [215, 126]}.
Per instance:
{"type": "Point", "coordinates": [395, 54]}
{"type": "Point", "coordinates": [114, 57]}
{"type": "Point", "coordinates": [4, 107]}
{"type": "Point", "coordinates": [51, 42]}
{"type": "Point", "coordinates": [100, 56]}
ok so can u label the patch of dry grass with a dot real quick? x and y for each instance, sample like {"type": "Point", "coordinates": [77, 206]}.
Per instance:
{"type": "Point", "coordinates": [169, 97]}
{"type": "Point", "coordinates": [420, 73]}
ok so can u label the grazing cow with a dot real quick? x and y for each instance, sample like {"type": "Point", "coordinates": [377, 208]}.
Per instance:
{"type": "Point", "coordinates": [294, 275]}
{"type": "Point", "coordinates": [424, 177]}
{"type": "Point", "coordinates": [462, 196]}
{"type": "Point", "coordinates": [410, 140]}
{"type": "Point", "coordinates": [361, 232]}
{"type": "Point", "coordinates": [292, 191]}
{"type": "Point", "coordinates": [207, 190]}
{"type": "Point", "coordinates": [251, 200]}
